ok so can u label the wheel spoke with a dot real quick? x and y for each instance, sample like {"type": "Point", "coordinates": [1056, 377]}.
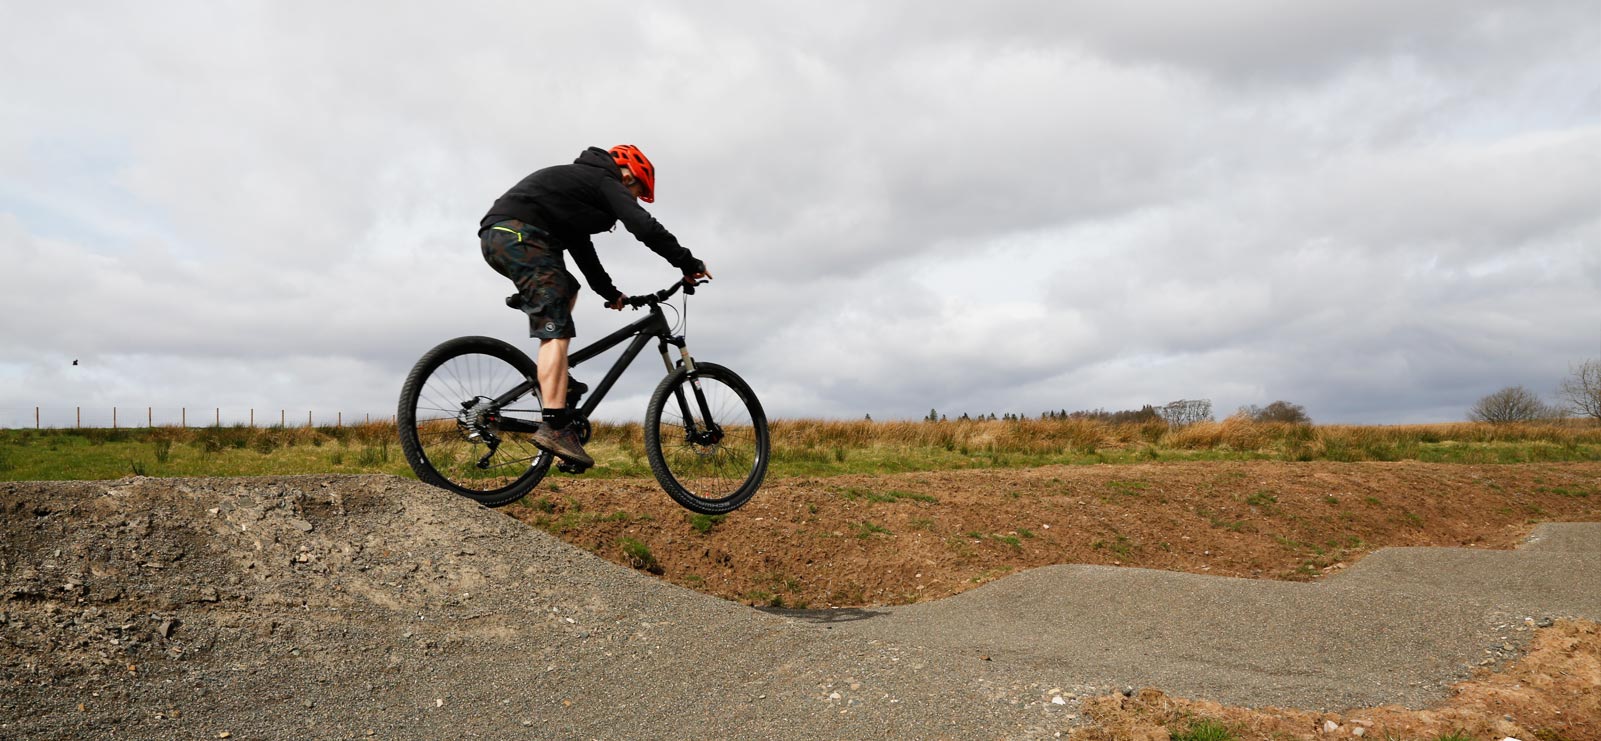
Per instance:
{"type": "Point", "coordinates": [450, 422]}
{"type": "Point", "coordinates": [714, 464]}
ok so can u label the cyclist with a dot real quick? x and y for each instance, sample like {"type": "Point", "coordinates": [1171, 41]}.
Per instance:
{"type": "Point", "coordinates": [555, 210]}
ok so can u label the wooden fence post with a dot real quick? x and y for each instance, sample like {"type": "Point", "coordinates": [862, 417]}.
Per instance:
{"type": "Point", "coordinates": [113, 418]}
{"type": "Point", "coordinates": [36, 418]}
{"type": "Point", "coordinates": [79, 423]}
{"type": "Point", "coordinates": [219, 416]}
{"type": "Point", "coordinates": [150, 417]}
{"type": "Point", "coordinates": [308, 418]}
{"type": "Point", "coordinates": [252, 419]}
{"type": "Point", "coordinates": [183, 417]}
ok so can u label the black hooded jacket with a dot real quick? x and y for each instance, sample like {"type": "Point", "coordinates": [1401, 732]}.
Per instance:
{"type": "Point", "coordinates": [587, 197]}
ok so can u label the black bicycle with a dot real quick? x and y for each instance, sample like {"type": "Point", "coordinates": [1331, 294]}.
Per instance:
{"type": "Point", "coordinates": [469, 406]}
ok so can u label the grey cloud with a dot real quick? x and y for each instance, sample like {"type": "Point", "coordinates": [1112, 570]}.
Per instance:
{"type": "Point", "coordinates": [1248, 42]}
{"type": "Point", "coordinates": [1370, 209]}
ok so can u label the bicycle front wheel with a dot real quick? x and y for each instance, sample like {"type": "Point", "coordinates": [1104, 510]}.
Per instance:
{"type": "Point", "coordinates": [706, 438]}
{"type": "Point", "coordinates": [465, 427]}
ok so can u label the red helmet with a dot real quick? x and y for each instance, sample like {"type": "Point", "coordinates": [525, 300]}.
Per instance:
{"type": "Point", "coordinates": [629, 156]}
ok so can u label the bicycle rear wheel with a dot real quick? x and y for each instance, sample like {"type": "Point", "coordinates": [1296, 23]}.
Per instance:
{"type": "Point", "coordinates": [706, 438]}
{"type": "Point", "coordinates": [466, 411]}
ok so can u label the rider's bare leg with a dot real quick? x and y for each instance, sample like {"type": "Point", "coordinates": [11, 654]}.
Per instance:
{"type": "Point", "coordinates": [553, 373]}
{"type": "Point", "coordinates": [552, 362]}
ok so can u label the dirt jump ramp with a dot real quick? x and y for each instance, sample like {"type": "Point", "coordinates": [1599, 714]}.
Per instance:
{"type": "Point", "coordinates": [370, 606]}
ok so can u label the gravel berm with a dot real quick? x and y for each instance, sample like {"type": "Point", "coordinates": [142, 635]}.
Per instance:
{"type": "Point", "coordinates": [376, 607]}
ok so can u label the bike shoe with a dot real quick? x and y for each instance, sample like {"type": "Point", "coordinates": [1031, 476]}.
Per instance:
{"type": "Point", "coordinates": [564, 443]}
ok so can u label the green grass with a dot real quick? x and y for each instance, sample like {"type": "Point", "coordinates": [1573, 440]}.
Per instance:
{"type": "Point", "coordinates": [224, 451]}
{"type": "Point", "coordinates": [1263, 499]}
{"type": "Point", "coordinates": [1120, 546]}
{"type": "Point", "coordinates": [539, 504]}
{"type": "Point", "coordinates": [1131, 488]}
{"type": "Point", "coordinates": [638, 555]}
{"type": "Point", "coordinates": [810, 448]}
{"type": "Point", "coordinates": [1576, 491]}
{"type": "Point", "coordinates": [869, 529]}
{"type": "Point", "coordinates": [1204, 730]}
{"type": "Point", "coordinates": [704, 524]}
{"type": "Point", "coordinates": [853, 493]}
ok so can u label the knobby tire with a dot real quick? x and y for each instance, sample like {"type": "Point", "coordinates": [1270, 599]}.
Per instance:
{"type": "Point", "coordinates": [439, 446]}
{"type": "Point", "coordinates": [706, 476]}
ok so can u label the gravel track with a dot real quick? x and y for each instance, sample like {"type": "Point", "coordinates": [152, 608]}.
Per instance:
{"type": "Point", "coordinates": [371, 606]}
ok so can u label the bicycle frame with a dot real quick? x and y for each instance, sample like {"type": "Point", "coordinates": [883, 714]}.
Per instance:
{"type": "Point", "coordinates": [642, 330]}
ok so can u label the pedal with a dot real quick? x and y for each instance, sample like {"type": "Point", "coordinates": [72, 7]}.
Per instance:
{"type": "Point", "coordinates": [575, 391]}
{"type": "Point", "coordinates": [572, 468]}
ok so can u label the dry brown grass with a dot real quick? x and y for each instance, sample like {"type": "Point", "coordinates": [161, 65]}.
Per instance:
{"type": "Point", "coordinates": [1233, 435]}
{"type": "Point", "coordinates": [809, 447]}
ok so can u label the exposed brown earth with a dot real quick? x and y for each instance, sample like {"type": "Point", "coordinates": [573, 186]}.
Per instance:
{"type": "Point", "coordinates": [852, 541]}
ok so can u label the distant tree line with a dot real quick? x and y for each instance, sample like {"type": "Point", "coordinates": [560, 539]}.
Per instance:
{"type": "Point", "coordinates": [1176, 413]}
{"type": "Point", "coordinates": [1579, 393]}
{"type": "Point", "coordinates": [1278, 411]}
{"type": "Point", "coordinates": [1185, 412]}
{"type": "Point", "coordinates": [1582, 389]}
{"type": "Point", "coordinates": [1147, 413]}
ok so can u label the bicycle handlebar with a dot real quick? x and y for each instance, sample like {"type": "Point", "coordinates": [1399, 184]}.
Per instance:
{"type": "Point", "coordinates": [651, 299]}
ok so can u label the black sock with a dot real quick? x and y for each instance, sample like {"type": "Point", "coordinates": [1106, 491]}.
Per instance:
{"type": "Point", "coordinates": [556, 418]}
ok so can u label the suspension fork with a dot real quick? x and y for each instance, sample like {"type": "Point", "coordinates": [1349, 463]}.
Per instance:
{"type": "Point", "coordinates": [712, 433]}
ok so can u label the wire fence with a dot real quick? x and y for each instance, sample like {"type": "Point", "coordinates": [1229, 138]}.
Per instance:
{"type": "Point", "coordinates": [80, 417]}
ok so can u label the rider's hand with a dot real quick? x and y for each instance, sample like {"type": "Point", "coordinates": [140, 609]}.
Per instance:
{"type": "Point", "coordinates": [618, 303]}
{"type": "Point", "coordinates": [698, 275]}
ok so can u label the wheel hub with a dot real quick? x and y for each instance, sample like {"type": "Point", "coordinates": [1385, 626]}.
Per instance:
{"type": "Point", "coordinates": [709, 436]}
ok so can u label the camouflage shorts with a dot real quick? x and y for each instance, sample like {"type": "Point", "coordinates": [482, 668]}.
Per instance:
{"type": "Point", "coordinates": [523, 254]}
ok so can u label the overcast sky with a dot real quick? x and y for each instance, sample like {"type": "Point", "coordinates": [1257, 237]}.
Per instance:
{"type": "Point", "coordinates": [1381, 211]}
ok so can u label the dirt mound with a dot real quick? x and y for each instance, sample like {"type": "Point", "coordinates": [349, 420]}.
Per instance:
{"type": "Point", "coordinates": [335, 607]}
